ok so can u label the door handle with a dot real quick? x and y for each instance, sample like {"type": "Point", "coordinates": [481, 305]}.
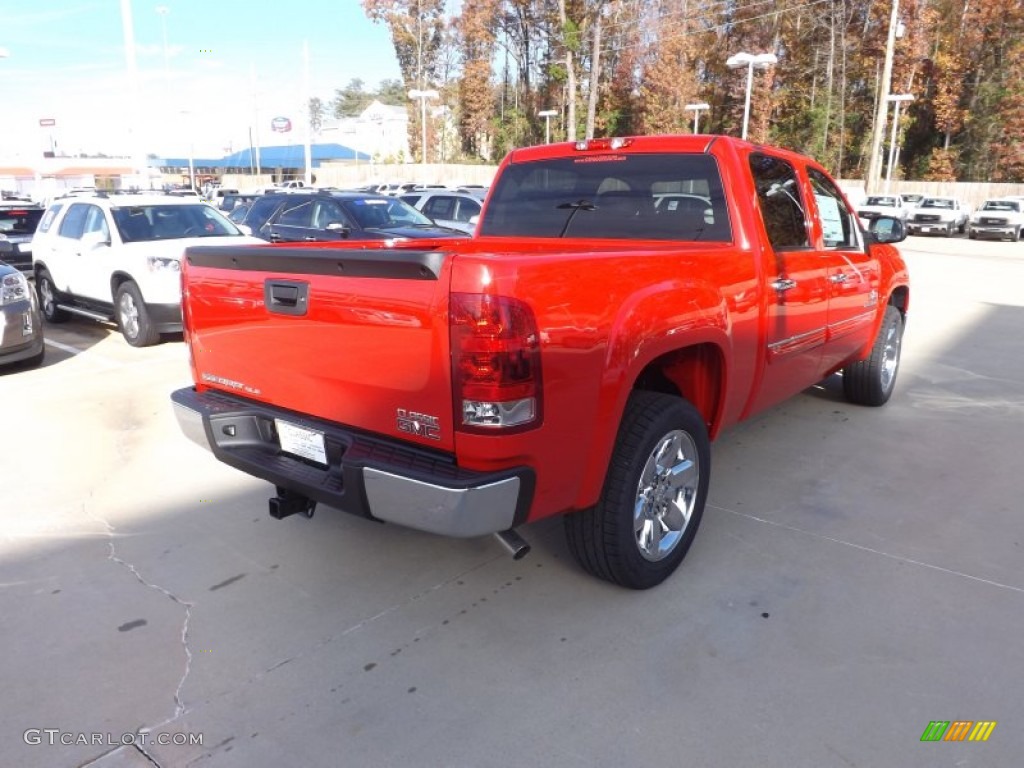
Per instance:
{"type": "Point", "coordinates": [783, 284]}
{"type": "Point", "coordinates": [286, 297]}
{"type": "Point", "coordinates": [310, 239]}
{"type": "Point", "coordinates": [274, 237]}
{"type": "Point", "coordinates": [842, 277]}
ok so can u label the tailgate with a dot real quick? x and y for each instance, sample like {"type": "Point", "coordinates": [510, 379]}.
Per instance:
{"type": "Point", "coordinates": [357, 337]}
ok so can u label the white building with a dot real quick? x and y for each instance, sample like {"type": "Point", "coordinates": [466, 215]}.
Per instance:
{"type": "Point", "coordinates": [380, 131]}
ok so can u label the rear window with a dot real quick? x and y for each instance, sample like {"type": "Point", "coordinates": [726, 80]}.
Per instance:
{"type": "Point", "coordinates": [20, 221]}
{"type": "Point", "coordinates": [619, 197]}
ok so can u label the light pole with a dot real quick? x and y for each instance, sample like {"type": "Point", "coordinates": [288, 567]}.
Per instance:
{"type": "Point", "coordinates": [162, 11]}
{"type": "Point", "coordinates": [547, 114]}
{"type": "Point", "coordinates": [422, 95]}
{"type": "Point", "coordinates": [751, 61]}
{"type": "Point", "coordinates": [897, 99]}
{"type": "Point", "coordinates": [696, 114]}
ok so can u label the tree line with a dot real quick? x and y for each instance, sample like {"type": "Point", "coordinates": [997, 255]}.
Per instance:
{"type": "Point", "coordinates": [622, 67]}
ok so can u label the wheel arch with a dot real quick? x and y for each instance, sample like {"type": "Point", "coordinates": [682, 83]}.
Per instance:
{"type": "Point", "coordinates": [119, 278]}
{"type": "Point", "coordinates": [696, 373]}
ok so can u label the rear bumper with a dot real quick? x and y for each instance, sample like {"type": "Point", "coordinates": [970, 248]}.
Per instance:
{"type": "Point", "coordinates": [366, 475]}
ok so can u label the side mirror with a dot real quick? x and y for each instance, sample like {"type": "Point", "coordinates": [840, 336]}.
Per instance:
{"type": "Point", "coordinates": [245, 229]}
{"type": "Point", "coordinates": [474, 219]}
{"type": "Point", "coordinates": [887, 229]}
{"type": "Point", "coordinates": [337, 226]}
{"type": "Point", "coordinates": [93, 240]}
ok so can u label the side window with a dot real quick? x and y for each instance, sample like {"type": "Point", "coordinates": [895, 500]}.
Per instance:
{"type": "Point", "coordinates": [297, 214]}
{"type": "Point", "coordinates": [467, 210]}
{"type": "Point", "coordinates": [837, 224]}
{"type": "Point", "coordinates": [439, 207]}
{"type": "Point", "coordinates": [96, 221]}
{"type": "Point", "coordinates": [74, 221]}
{"type": "Point", "coordinates": [778, 194]}
{"type": "Point", "coordinates": [328, 213]}
{"type": "Point", "coordinates": [261, 211]}
{"type": "Point", "coordinates": [47, 221]}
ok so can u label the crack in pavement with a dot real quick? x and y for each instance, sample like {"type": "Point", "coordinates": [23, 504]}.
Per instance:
{"type": "Point", "coordinates": [179, 704]}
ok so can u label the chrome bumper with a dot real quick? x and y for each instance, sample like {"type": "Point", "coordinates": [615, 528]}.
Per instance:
{"type": "Point", "coordinates": [411, 488]}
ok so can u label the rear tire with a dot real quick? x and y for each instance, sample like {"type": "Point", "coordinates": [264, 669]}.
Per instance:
{"type": "Point", "coordinates": [871, 381]}
{"type": "Point", "coordinates": [133, 318]}
{"type": "Point", "coordinates": [48, 299]}
{"type": "Point", "coordinates": [653, 498]}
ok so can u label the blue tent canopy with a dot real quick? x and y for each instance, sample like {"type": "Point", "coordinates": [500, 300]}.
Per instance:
{"type": "Point", "coordinates": [288, 156]}
{"type": "Point", "coordinates": [293, 156]}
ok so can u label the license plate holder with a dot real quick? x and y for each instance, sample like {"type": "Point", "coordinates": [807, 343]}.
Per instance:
{"type": "Point", "coordinates": [302, 442]}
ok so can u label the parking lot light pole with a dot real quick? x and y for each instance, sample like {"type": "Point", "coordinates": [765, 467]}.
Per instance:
{"type": "Point", "coordinates": [751, 61]}
{"type": "Point", "coordinates": [547, 114]}
{"type": "Point", "coordinates": [696, 114]}
{"type": "Point", "coordinates": [897, 99]}
{"type": "Point", "coordinates": [423, 95]}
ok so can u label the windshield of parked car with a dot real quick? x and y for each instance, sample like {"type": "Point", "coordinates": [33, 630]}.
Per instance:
{"type": "Point", "coordinates": [166, 222]}
{"type": "Point", "coordinates": [934, 202]}
{"type": "Point", "coordinates": [19, 221]}
{"type": "Point", "coordinates": [1001, 205]}
{"type": "Point", "coordinates": [380, 213]}
{"type": "Point", "coordinates": [885, 202]}
{"type": "Point", "coordinates": [613, 196]}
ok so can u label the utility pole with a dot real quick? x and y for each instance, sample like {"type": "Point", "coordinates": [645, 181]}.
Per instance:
{"type": "Point", "coordinates": [882, 105]}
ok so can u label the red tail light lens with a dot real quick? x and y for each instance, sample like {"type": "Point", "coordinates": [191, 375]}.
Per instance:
{"type": "Point", "coordinates": [495, 352]}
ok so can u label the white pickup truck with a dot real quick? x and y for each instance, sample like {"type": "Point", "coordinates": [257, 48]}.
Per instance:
{"type": "Point", "coordinates": [876, 206]}
{"type": "Point", "coordinates": [1000, 218]}
{"type": "Point", "coordinates": [938, 215]}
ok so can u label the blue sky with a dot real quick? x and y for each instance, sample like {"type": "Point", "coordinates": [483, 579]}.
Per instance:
{"type": "Point", "coordinates": [67, 62]}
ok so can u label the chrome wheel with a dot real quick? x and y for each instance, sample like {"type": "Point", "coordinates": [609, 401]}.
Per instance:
{"type": "Point", "coordinates": [46, 294]}
{"type": "Point", "coordinates": [666, 495]}
{"type": "Point", "coordinates": [128, 314]}
{"type": "Point", "coordinates": [891, 356]}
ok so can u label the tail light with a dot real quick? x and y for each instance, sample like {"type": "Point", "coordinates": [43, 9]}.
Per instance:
{"type": "Point", "coordinates": [495, 352]}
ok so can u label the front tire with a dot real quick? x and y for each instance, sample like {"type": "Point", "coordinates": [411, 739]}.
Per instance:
{"type": "Point", "coordinates": [48, 299]}
{"type": "Point", "coordinates": [653, 498]}
{"type": "Point", "coordinates": [871, 381]}
{"type": "Point", "coordinates": [133, 318]}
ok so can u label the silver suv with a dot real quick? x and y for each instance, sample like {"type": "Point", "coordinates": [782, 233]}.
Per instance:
{"type": "Point", "coordinates": [119, 259]}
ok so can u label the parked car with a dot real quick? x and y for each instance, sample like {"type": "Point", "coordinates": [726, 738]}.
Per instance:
{"type": "Point", "coordinates": [875, 206]}
{"type": "Point", "coordinates": [456, 210]}
{"type": "Point", "coordinates": [18, 222]}
{"type": "Point", "coordinates": [21, 327]}
{"type": "Point", "coordinates": [118, 258]}
{"type": "Point", "coordinates": [942, 215]}
{"type": "Point", "coordinates": [1001, 218]}
{"type": "Point", "coordinates": [333, 216]}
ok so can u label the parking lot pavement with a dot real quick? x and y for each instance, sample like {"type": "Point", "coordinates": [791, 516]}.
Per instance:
{"type": "Point", "coordinates": [858, 575]}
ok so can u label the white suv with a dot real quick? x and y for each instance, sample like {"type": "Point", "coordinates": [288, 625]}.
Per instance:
{"type": "Point", "coordinates": [118, 258]}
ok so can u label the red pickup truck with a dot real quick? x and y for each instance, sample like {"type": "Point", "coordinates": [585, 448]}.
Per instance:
{"type": "Point", "coordinates": [622, 301]}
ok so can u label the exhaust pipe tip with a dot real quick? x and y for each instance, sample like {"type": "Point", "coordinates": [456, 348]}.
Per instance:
{"type": "Point", "coordinates": [514, 543]}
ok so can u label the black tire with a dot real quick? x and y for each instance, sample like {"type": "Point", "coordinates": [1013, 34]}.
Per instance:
{"type": "Point", "coordinates": [871, 381]}
{"type": "Point", "coordinates": [950, 229]}
{"type": "Point", "coordinates": [48, 296]}
{"type": "Point", "coordinates": [605, 539]}
{"type": "Point", "coordinates": [972, 235]}
{"type": "Point", "coordinates": [133, 317]}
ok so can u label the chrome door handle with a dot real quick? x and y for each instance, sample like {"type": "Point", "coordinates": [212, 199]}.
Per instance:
{"type": "Point", "coordinates": [783, 284]}
{"type": "Point", "coordinates": [842, 277]}
{"type": "Point", "coordinates": [310, 239]}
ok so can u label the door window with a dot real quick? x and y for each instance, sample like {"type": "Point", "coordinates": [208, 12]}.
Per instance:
{"type": "Point", "coordinates": [74, 221]}
{"type": "Point", "coordinates": [96, 221]}
{"type": "Point", "coordinates": [297, 214]}
{"type": "Point", "coordinates": [439, 207]}
{"type": "Point", "coordinates": [837, 224]}
{"type": "Point", "coordinates": [467, 210]}
{"type": "Point", "coordinates": [778, 195]}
